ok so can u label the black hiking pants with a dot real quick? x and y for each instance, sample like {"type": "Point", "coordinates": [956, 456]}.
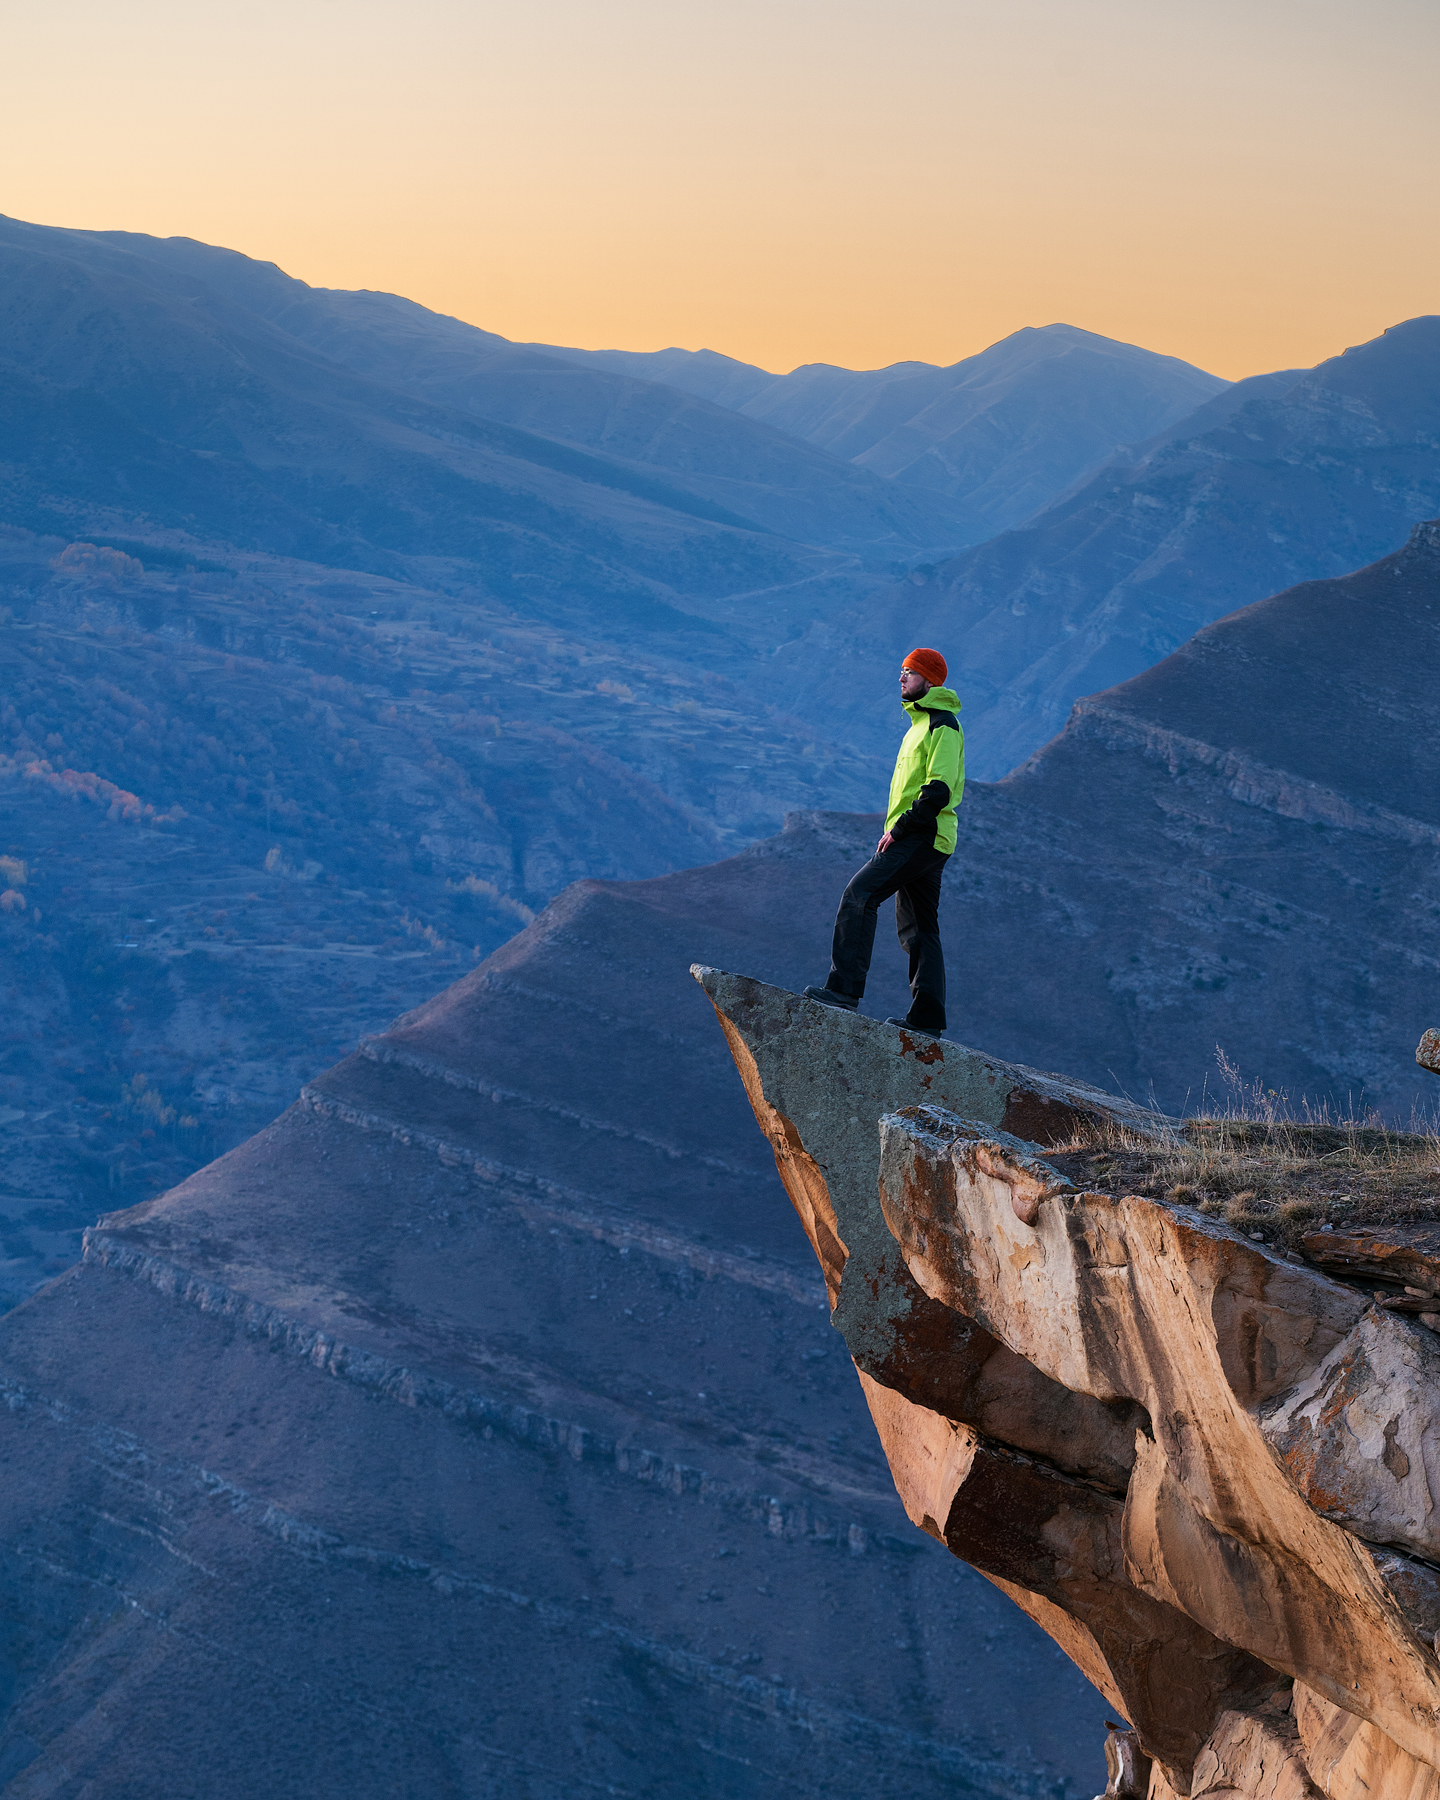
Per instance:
{"type": "Point", "coordinates": [911, 870]}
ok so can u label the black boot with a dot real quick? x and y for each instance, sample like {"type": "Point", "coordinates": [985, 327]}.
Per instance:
{"type": "Point", "coordinates": [923, 1030]}
{"type": "Point", "coordinates": [828, 997]}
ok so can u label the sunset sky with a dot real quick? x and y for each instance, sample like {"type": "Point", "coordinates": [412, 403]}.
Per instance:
{"type": "Point", "coordinates": [1248, 184]}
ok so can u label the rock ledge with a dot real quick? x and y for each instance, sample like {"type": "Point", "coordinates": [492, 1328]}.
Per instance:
{"type": "Point", "coordinates": [1206, 1469]}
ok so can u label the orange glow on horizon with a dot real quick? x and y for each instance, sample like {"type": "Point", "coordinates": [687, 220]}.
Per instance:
{"type": "Point", "coordinates": [1244, 185]}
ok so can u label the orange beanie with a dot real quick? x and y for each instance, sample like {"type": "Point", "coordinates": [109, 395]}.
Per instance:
{"type": "Point", "coordinates": [929, 663]}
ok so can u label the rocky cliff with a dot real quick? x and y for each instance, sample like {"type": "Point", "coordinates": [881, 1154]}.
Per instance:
{"type": "Point", "coordinates": [1204, 1465]}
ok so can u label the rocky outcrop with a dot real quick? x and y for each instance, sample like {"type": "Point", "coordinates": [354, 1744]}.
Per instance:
{"type": "Point", "coordinates": [1207, 1468]}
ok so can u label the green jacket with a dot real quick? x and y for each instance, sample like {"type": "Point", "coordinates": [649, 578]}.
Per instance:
{"type": "Point", "coordinates": [929, 773]}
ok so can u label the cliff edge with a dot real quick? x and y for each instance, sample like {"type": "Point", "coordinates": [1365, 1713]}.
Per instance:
{"type": "Point", "coordinates": [1205, 1466]}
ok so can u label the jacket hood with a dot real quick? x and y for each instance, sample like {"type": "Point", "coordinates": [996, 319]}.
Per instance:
{"type": "Point", "coordinates": [939, 699]}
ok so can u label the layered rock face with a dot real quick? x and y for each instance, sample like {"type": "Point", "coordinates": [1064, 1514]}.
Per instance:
{"type": "Point", "coordinates": [1206, 1468]}
{"type": "Point", "coordinates": [476, 1428]}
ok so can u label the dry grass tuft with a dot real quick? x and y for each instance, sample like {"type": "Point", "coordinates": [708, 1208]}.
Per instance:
{"type": "Point", "coordinates": [1268, 1173]}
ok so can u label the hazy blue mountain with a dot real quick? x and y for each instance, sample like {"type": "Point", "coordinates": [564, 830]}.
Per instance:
{"type": "Point", "coordinates": [1212, 413]}
{"type": "Point", "coordinates": [1296, 478]}
{"type": "Point", "coordinates": [708, 452]}
{"type": "Point", "coordinates": [165, 387]}
{"type": "Point", "coordinates": [989, 440]}
{"type": "Point", "coordinates": [751, 469]}
{"type": "Point", "coordinates": [385, 425]}
{"type": "Point", "coordinates": [904, 463]}
{"type": "Point", "coordinates": [999, 435]}
{"type": "Point", "coordinates": [704, 372]}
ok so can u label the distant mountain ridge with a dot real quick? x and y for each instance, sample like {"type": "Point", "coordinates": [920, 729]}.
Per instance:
{"type": "Point", "coordinates": [154, 389]}
{"type": "Point", "coordinates": [707, 373]}
{"type": "Point", "coordinates": [991, 439]}
{"type": "Point", "coordinates": [962, 452]}
{"type": "Point", "coordinates": [1289, 477]}
{"type": "Point", "coordinates": [959, 453]}
{"type": "Point", "coordinates": [368, 390]}
{"type": "Point", "coordinates": [156, 386]}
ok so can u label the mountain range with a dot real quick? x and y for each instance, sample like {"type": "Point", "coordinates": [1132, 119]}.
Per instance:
{"type": "Point", "coordinates": [988, 440]}
{"type": "Point", "coordinates": [774, 528]}
{"type": "Point", "coordinates": [200, 347]}
{"type": "Point", "coordinates": [1284, 478]}
{"type": "Point", "coordinates": [491, 1383]}
{"type": "Point", "coordinates": [447, 664]}
{"type": "Point", "coordinates": [496, 1381]}
{"type": "Point", "coordinates": [138, 390]}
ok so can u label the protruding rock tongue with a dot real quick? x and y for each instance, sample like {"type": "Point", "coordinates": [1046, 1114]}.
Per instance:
{"type": "Point", "coordinates": [1163, 1441]}
{"type": "Point", "coordinates": [1012, 1470]}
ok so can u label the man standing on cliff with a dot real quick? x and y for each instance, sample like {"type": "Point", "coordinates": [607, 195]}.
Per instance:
{"type": "Point", "coordinates": [910, 858]}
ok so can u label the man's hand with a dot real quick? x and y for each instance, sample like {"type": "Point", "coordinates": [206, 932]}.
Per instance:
{"type": "Point", "coordinates": [884, 844]}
